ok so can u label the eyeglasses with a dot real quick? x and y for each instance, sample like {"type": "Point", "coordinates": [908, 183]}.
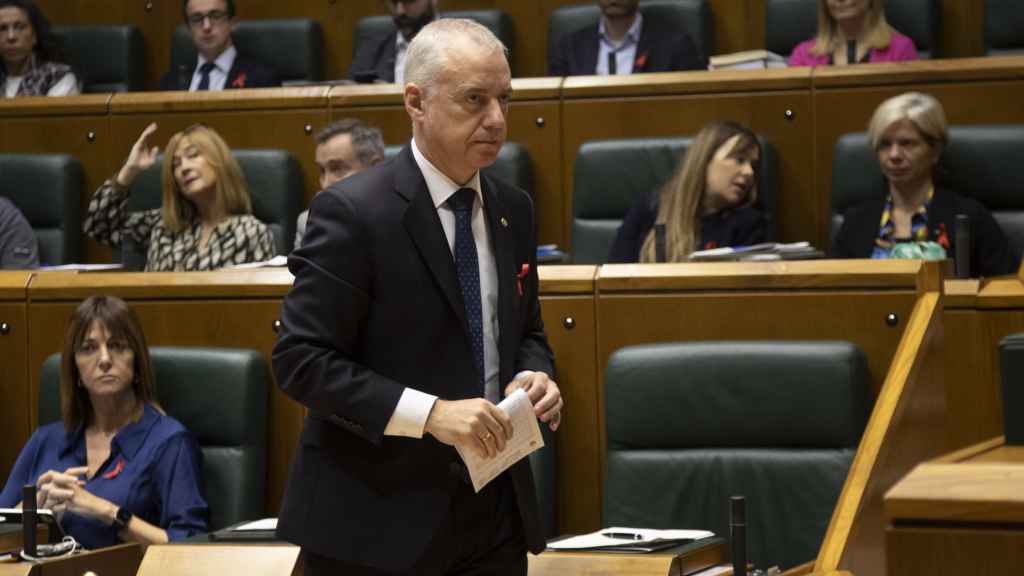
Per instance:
{"type": "Point", "coordinates": [216, 17]}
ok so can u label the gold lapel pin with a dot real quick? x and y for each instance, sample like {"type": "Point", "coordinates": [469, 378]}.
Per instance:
{"type": "Point", "coordinates": [504, 222]}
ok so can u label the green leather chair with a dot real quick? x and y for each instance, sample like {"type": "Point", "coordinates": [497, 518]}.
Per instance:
{"type": "Point", "coordinates": [275, 186]}
{"type": "Point", "coordinates": [105, 58]}
{"type": "Point", "coordinates": [498, 22]}
{"type": "Point", "coordinates": [981, 162]}
{"type": "Point", "coordinates": [1011, 368]}
{"type": "Point", "coordinates": [513, 165]}
{"type": "Point", "coordinates": [790, 22]}
{"type": "Point", "coordinates": [1004, 28]}
{"type": "Point", "coordinates": [292, 47]}
{"type": "Point", "coordinates": [47, 188]}
{"type": "Point", "coordinates": [220, 396]}
{"type": "Point", "coordinates": [694, 16]}
{"type": "Point", "coordinates": [691, 424]}
{"type": "Point", "coordinates": [608, 174]}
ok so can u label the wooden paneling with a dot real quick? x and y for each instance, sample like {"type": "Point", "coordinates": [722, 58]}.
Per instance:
{"type": "Point", "coordinates": [265, 559]}
{"type": "Point", "coordinates": [14, 388]}
{"type": "Point", "coordinates": [596, 109]}
{"type": "Point", "coordinates": [921, 551]}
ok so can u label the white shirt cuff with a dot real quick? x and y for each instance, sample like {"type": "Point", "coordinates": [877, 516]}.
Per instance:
{"type": "Point", "coordinates": [411, 414]}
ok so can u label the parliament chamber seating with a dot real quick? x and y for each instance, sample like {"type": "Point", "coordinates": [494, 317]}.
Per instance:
{"type": "Point", "coordinates": [1003, 28]}
{"type": "Point", "coordinates": [220, 396]}
{"type": "Point", "coordinates": [790, 22]}
{"type": "Point", "coordinates": [105, 58]}
{"type": "Point", "coordinates": [694, 16]}
{"type": "Point", "coordinates": [46, 188]}
{"type": "Point", "coordinates": [609, 174]}
{"type": "Point", "coordinates": [981, 162]}
{"type": "Point", "coordinates": [497, 21]}
{"type": "Point", "coordinates": [691, 424]}
{"type": "Point", "coordinates": [275, 186]}
{"type": "Point", "coordinates": [293, 48]}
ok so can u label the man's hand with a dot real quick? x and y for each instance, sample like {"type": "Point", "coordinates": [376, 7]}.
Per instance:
{"type": "Point", "coordinates": [544, 395]}
{"type": "Point", "coordinates": [475, 424]}
{"type": "Point", "coordinates": [64, 492]}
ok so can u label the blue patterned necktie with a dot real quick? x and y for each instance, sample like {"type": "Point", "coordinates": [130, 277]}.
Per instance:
{"type": "Point", "coordinates": [204, 79]}
{"type": "Point", "coordinates": [468, 270]}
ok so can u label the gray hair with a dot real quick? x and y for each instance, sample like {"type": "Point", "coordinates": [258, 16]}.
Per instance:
{"type": "Point", "coordinates": [923, 111]}
{"type": "Point", "coordinates": [427, 54]}
{"type": "Point", "coordinates": [367, 141]}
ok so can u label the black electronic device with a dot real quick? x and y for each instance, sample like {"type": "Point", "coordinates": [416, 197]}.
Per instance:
{"type": "Point", "coordinates": [738, 534]}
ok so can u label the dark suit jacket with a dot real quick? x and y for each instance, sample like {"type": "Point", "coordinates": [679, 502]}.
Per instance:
{"type": "Point", "coordinates": [375, 60]}
{"type": "Point", "coordinates": [660, 49]}
{"type": "Point", "coordinates": [990, 254]}
{"type": "Point", "coordinates": [376, 307]}
{"type": "Point", "coordinates": [244, 73]}
{"type": "Point", "coordinates": [743, 226]}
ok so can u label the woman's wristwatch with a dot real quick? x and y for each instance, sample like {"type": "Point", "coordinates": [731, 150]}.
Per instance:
{"type": "Point", "coordinates": [122, 517]}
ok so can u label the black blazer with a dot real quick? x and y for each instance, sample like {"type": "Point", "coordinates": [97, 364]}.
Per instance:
{"type": "Point", "coordinates": [375, 60]}
{"type": "Point", "coordinates": [990, 255]}
{"type": "Point", "coordinates": [375, 307]}
{"type": "Point", "coordinates": [660, 49]}
{"type": "Point", "coordinates": [244, 73]}
{"type": "Point", "coordinates": [743, 226]}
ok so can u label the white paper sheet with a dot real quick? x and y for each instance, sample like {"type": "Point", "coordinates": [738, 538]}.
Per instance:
{"type": "Point", "coordinates": [645, 535]}
{"type": "Point", "coordinates": [525, 439]}
{"type": "Point", "coordinates": [264, 524]}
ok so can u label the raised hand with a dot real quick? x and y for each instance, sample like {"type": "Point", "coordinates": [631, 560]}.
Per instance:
{"type": "Point", "coordinates": [139, 159]}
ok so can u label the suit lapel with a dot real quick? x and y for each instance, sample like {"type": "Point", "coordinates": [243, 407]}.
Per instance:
{"type": "Point", "coordinates": [643, 49]}
{"type": "Point", "coordinates": [588, 51]}
{"type": "Point", "coordinates": [234, 74]}
{"type": "Point", "coordinates": [424, 227]}
{"type": "Point", "coordinates": [386, 64]}
{"type": "Point", "coordinates": [499, 226]}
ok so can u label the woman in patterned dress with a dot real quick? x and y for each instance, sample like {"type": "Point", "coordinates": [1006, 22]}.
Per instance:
{"type": "Point", "coordinates": [206, 219]}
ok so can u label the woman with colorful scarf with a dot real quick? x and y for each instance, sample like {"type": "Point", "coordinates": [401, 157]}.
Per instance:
{"type": "Point", "coordinates": [31, 63]}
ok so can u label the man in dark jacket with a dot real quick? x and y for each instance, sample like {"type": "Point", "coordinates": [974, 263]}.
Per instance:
{"type": "Point", "coordinates": [382, 59]}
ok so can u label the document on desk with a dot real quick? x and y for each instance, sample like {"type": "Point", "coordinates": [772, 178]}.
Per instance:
{"type": "Point", "coordinates": [525, 439]}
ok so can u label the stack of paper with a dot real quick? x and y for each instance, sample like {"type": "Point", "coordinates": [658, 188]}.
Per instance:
{"type": "Point", "coordinates": [766, 251]}
{"type": "Point", "coordinates": [751, 59]}
{"type": "Point", "coordinates": [630, 539]}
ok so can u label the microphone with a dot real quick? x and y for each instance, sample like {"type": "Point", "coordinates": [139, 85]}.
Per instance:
{"type": "Point", "coordinates": [659, 242]}
{"type": "Point", "coordinates": [28, 519]}
{"type": "Point", "coordinates": [738, 534]}
{"type": "Point", "coordinates": [962, 254]}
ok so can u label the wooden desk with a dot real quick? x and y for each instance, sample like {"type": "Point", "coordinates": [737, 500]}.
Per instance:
{"type": "Point", "coordinates": [679, 561]}
{"type": "Point", "coordinates": [959, 514]}
{"type": "Point", "coordinates": [221, 559]}
{"type": "Point", "coordinates": [977, 317]}
{"type": "Point", "coordinates": [120, 560]}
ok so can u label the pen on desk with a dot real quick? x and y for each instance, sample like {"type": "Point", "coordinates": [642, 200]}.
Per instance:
{"type": "Point", "coordinates": [622, 535]}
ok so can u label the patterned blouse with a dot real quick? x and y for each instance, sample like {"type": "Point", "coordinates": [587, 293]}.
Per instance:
{"type": "Point", "coordinates": [235, 240]}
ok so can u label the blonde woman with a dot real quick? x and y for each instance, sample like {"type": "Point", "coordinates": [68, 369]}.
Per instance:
{"type": "Point", "coordinates": [707, 204]}
{"type": "Point", "coordinates": [915, 218]}
{"type": "Point", "coordinates": [206, 219]}
{"type": "Point", "coordinates": [852, 32]}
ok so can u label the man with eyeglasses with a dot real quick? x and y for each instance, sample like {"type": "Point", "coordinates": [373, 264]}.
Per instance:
{"type": "Point", "coordinates": [219, 65]}
{"type": "Point", "coordinates": [382, 59]}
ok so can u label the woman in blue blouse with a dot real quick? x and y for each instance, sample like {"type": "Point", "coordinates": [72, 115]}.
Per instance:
{"type": "Point", "coordinates": [117, 468]}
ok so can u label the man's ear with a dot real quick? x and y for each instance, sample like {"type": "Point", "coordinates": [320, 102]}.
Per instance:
{"type": "Point", "coordinates": [414, 98]}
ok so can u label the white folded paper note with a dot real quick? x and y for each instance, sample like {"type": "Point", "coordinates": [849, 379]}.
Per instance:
{"type": "Point", "coordinates": [525, 439]}
{"type": "Point", "coordinates": [638, 537]}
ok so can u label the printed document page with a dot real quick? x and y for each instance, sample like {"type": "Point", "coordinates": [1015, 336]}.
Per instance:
{"type": "Point", "coordinates": [525, 439]}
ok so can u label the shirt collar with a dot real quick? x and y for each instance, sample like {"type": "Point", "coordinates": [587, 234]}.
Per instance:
{"type": "Point", "coordinates": [441, 187]}
{"type": "Point", "coordinates": [224, 62]}
{"type": "Point", "coordinates": [632, 35]}
{"type": "Point", "coordinates": [127, 442]}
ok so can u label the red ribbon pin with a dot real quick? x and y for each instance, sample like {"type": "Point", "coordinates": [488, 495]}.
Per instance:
{"type": "Point", "coordinates": [240, 81]}
{"type": "Point", "coordinates": [519, 277]}
{"type": "Point", "coordinates": [118, 468]}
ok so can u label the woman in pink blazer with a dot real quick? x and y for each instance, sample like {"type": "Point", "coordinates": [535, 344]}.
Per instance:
{"type": "Point", "coordinates": [851, 32]}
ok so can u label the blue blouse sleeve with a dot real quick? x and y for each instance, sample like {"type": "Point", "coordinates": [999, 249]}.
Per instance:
{"type": "Point", "coordinates": [22, 473]}
{"type": "Point", "coordinates": [179, 480]}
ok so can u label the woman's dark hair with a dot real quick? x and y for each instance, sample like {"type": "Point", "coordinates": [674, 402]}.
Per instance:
{"type": "Point", "coordinates": [122, 323]}
{"type": "Point", "coordinates": [47, 49]}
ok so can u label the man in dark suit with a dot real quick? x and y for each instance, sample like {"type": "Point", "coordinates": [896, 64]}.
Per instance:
{"type": "Point", "coordinates": [219, 65]}
{"type": "Point", "coordinates": [623, 42]}
{"type": "Point", "coordinates": [382, 58]}
{"type": "Point", "coordinates": [414, 310]}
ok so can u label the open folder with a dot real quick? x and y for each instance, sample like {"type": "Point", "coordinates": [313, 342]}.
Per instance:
{"type": "Point", "coordinates": [618, 539]}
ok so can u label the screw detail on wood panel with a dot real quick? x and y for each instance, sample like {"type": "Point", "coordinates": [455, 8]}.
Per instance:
{"type": "Point", "coordinates": [149, 6]}
{"type": "Point", "coordinates": [276, 326]}
{"type": "Point", "coordinates": [540, 122]}
{"type": "Point", "coordinates": [569, 322]}
{"type": "Point", "coordinates": [891, 319]}
{"type": "Point", "coordinates": [90, 136]}
{"type": "Point", "coordinates": [789, 115]}
{"type": "Point", "coordinates": [308, 129]}
{"type": "Point", "coordinates": [5, 328]}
